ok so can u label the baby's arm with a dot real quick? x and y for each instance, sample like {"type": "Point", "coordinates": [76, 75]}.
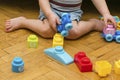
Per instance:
{"type": "Point", "coordinates": [45, 6]}
{"type": "Point", "coordinates": [103, 9]}
{"type": "Point", "coordinates": [53, 19]}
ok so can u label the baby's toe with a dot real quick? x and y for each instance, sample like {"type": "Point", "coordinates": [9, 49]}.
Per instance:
{"type": "Point", "coordinates": [8, 29]}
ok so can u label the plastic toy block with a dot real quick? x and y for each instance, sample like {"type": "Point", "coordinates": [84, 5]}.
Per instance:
{"type": "Point", "coordinates": [17, 65]}
{"type": "Point", "coordinates": [58, 40]}
{"type": "Point", "coordinates": [32, 41]}
{"type": "Point", "coordinates": [65, 25]}
{"type": "Point", "coordinates": [118, 25]}
{"type": "Point", "coordinates": [83, 62]}
{"type": "Point", "coordinates": [103, 68]}
{"type": "Point", "coordinates": [117, 67]}
{"type": "Point", "coordinates": [59, 54]}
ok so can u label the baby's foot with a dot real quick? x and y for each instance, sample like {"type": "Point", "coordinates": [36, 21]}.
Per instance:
{"type": "Point", "coordinates": [14, 23]}
{"type": "Point", "coordinates": [99, 25]}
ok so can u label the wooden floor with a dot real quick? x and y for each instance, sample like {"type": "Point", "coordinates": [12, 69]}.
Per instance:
{"type": "Point", "coordinates": [37, 65]}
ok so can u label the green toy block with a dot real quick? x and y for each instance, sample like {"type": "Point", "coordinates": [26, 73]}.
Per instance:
{"type": "Point", "coordinates": [32, 41]}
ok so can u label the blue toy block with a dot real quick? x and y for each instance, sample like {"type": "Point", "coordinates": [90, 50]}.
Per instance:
{"type": "Point", "coordinates": [17, 65]}
{"type": "Point", "coordinates": [65, 25]}
{"type": "Point", "coordinates": [59, 54]}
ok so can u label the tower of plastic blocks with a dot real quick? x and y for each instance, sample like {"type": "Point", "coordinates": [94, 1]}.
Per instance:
{"type": "Point", "coordinates": [32, 41]}
{"type": "Point", "coordinates": [17, 65]}
{"type": "Point", "coordinates": [110, 33]}
{"type": "Point", "coordinates": [83, 62]}
{"type": "Point", "coordinates": [117, 67]}
{"type": "Point", "coordinates": [58, 40]}
{"type": "Point", "coordinates": [103, 68]}
{"type": "Point", "coordinates": [65, 25]}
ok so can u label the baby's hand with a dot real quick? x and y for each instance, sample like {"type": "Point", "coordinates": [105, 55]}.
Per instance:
{"type": "Point", "coordinates": [109, 19]}
{"type": "Point", "coordinates": [53, 21]}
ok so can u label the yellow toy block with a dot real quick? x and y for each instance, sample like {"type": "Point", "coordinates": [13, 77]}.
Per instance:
{"type": "Point", "coordinates": [117, 67]}
{"type": "Point", "coordinates": [118, 25]}
{"type": "Point", "coordinates": [103, 68]}
{"type": "Point", "coordinates": [32, 41]}
{"type": "Point", "coordinates": [58, 40]}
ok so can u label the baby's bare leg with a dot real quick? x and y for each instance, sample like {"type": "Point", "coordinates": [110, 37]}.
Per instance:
{"type": "Point", "coordinates": [83, 27]}
{"type": "Point", "coordinates": [38, 26]}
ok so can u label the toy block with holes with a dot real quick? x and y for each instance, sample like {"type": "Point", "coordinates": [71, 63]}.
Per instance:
{"type": "Point", "coordinates": [17, 65]}
{"type": "Point", "coordinates": [65, 26]}
{"type": "Point", "coordinates": [117, 67]}
{"type": "Point", "coordinates": [59, 55]}
{"type": "Point", "coordinates": [32, 41]}
{"type": "Point", "coordinates": [103, 68]}
{"type": "Point", "coordinates": [58, 40]}
{"type": "Point", "coordinates": [83, 62]}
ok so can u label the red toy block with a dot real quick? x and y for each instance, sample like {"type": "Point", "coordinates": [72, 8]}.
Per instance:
{"type": "Point", "coordinates": [83, 62]}
{"type": "Point", "coordinates": [78, 56]}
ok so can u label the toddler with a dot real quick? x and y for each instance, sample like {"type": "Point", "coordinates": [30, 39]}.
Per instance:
{"type": "Point", "coordinates": [50, 14]}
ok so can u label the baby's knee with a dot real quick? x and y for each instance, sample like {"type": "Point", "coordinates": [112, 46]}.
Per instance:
{"type": "Point", "coordinates": [73, 35]}
{"type": "Point", "coordinates": [47, 33]}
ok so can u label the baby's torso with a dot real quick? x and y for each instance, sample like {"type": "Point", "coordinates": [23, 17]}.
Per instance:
{"type": "Point", "coordinates": [66, 5]}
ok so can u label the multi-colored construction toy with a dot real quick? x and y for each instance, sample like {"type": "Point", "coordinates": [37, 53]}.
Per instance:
{"type": "Point", "coordinates": [57, 52]}
{"type": "Point", "coordinates": [110, 33]}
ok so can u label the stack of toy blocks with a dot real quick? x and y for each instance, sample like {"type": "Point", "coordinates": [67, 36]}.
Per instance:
{"type": "Point", "coordinates": [110, 33]}
{"type": "Point", "coordinates": [83, 62]}
{"type": "Point", "coordinates": [32, 41]}
{"type": "Point", "coordinates": [103, 68]}
{"type": "Point", "coordinates": [57, 51]}
{"type": "Point", "coordinates": [62, 29]}
{"type": "Point", "coordinates": [117, 67]}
